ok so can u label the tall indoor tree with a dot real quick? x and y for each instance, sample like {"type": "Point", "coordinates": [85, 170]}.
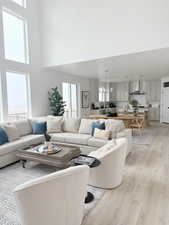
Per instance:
{"type": "Point", "coordinates": [57, 104]}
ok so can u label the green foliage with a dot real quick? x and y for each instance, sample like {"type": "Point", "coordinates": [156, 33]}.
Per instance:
{"type": "Point", "coordinates": [56, 102]}
{"type": "Point", "coordinates": [134, 103]}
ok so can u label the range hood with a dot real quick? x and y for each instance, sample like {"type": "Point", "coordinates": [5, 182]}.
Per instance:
{"type": "Point", "coordinates": [137, 88]}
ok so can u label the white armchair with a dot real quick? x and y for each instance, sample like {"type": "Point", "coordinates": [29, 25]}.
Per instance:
{"type": "Point", "coordinates": [109, 173]}
{"type": "Point", "coordinates": [55, 199]}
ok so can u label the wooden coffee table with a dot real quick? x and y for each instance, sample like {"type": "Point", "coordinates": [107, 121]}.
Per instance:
{"type": "Point", "coordinates": [60, 160]}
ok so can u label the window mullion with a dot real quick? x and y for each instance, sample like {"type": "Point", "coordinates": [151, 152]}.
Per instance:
{"type": "Point", "coordinates": [70, 99]}
{"type": "Point", "coordinates": [4, 96]}
{"type": "Point", "coordinates": [2, 51]}
{"type": "Point", "coordinates": [14, 7]}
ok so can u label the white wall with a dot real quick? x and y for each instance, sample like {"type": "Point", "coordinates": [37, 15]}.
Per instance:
{"type": "Point", "coordinates": [94, 90]}
{"type": "Point", "coordinates": [40, 81]}
{"type": "Point", "coordinates": [76, 30]}
{"type": "Point", "coordinates": [51, 79]}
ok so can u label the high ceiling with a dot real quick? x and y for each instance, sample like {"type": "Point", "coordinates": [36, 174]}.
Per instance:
{"type": "Point", "coordinates": [147, 65]}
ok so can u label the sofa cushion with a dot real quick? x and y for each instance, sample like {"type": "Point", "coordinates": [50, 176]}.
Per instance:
{"type": "Point", "coordinates": [73, 138]}
{"type": "Point", "coordinates": [39, 127]}
{"type": "Point", "coordinates": [21, 143]}
{"type": "Point", "coordinates": [59, 137]}
{"type": "Point", "coordinates": [3, 136]}
{"type": "Point", "coordinates": [32, 139]}
{"type": "Point", "coordinates": [12, 132]}
{"type": "Point", "coordinates": [71, 125]}
{"type": "Point", "coordinates": [38, 119]}
{"type": "Point", "coordinates": [24, 127]}
{"type": "Point", "coordinates": [95, 142]}
{"type": "Point", "coordinates": [86, 126]}
{"type": "Point", "coordinates": [54, 124]}
{"type": "Point", "coordinates": [76, 138]}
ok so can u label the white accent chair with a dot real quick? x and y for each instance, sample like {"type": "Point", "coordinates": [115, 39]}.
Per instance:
{"type": "Point", "coordinates": [109, 173]}
{"type": "Point", "coordinates": [55, 199]}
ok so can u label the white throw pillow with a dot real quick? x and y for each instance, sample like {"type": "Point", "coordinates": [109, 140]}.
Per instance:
{"type": "Point", "coordinates": [54, 124]}
{"type": "Point", "coordinates": [86, 126]}
{"type": "Point", "coordinates": [12, 132]}
{"type": "Point", "coordinates": [114, 126]}
{"type": "Point", "coordinates": [102, 134]}
{"type": "Point", "coordinates": [71, 125]}
{"type": "Point", "coordinates": [24, 127]}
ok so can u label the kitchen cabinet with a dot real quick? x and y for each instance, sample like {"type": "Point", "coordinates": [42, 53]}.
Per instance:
{"type": "Point", "coordinates": [143, 86]}
{"type": "Point", "coordinates": [113, 92]}
{"type": "Point", "coordinates": [154, 114]}
{"type": "Point", "coordinates": [122, 91]}
{"type": "Point", "coordinates": [153, 91]}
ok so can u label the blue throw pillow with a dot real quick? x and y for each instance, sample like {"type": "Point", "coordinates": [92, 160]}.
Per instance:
{"type": "Point", "coordinates": [39, 127]}
{"type": "Point", "coordinates": [3, 136]}
{"type": "Point", "coordinates": [98, 125]}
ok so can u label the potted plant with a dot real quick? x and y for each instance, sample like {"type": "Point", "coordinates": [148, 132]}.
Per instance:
{"type": "Point", "coordinates": [134, 104]}
{"type": "Point", "coordinates": [57, 104]}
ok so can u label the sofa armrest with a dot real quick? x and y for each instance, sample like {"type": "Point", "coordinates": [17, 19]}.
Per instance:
{"type": "Point", "coordinates": [127, 133]}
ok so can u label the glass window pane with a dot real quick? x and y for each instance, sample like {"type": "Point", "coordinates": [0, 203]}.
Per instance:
{"type": "Point", "coordinates": [0, 99]}
{"type": "Point", "coordinates": [66, 98]}
{"type": "Point", "coordinates": [17, 96]}
{"type": "Point", "coordinates": [70, 97]}
{"type": "Point", "coordinates": [19, 2]}
{"type": "Point", "coordinates": [74, 100]}
{"type": "Point", "coordinates": [14, 37]}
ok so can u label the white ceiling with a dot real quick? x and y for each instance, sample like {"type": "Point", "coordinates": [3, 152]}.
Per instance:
{"type": "Point", "coordinates": [148, 65]}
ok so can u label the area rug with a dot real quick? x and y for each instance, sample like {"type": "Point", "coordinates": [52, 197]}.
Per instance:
{"type": "Point", "coordinates": [14, 175]}
{"type": "Point", "coordinates": [146, 138]}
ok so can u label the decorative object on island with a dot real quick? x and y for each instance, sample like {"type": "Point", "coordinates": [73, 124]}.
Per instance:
{"type": "Point", "coordinates": [85, 99]}
{"type": "Point", "coordinates": [57, 104]}
{"type": "Point", "coordinates": [134, 104]}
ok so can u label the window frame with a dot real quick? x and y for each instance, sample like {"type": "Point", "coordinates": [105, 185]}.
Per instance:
{"type": "Point", "coordinates": [25, 33]}
{"type": "Point", "coordinates": [27, 90]}
{"type": "Point", "coordinates": [11, 65]}
{"type": "Point", "coordinates": [24, 3]}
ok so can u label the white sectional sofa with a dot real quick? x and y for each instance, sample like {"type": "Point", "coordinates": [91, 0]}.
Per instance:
{"type": "Point", "coordinates": [76, 132]}
{"type": "Point", "coordinates": [26, 138]}
{"type": "Point", "coordinates": [79, 134]}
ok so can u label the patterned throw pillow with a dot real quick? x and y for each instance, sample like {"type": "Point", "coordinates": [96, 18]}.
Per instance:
{"type": "Point", "coordinates": [102, 134]}
{"type": "Point", "coordinates": [98, 125]}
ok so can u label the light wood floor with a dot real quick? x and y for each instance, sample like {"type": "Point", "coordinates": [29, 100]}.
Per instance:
{"type": "Point", "coordinates": [143, 197]}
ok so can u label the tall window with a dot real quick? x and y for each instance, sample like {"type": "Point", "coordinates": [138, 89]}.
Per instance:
{"type": "Point", "coordinates": [14, 56]}
{"type": "Point", "coordinates": [17, 96]}
{"type": "Point", "coordinates": [70, 93]}
{"type": "Point", "coordinates": [14, 37]}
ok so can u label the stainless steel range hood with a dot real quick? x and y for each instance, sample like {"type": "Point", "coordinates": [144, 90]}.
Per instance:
{"type": "Point", "coordinates": [136, 88]}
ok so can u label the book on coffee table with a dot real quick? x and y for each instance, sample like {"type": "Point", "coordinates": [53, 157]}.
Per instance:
{"type": "Point", "coordinates": [84, 160]}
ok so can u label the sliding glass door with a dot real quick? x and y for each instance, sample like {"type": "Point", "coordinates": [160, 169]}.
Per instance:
{"type": "Point", "coordinates": [70, 96]}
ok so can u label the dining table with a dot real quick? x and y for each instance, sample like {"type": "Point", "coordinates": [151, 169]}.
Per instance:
{"type": "Point", "coordinates": [128, 119]}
